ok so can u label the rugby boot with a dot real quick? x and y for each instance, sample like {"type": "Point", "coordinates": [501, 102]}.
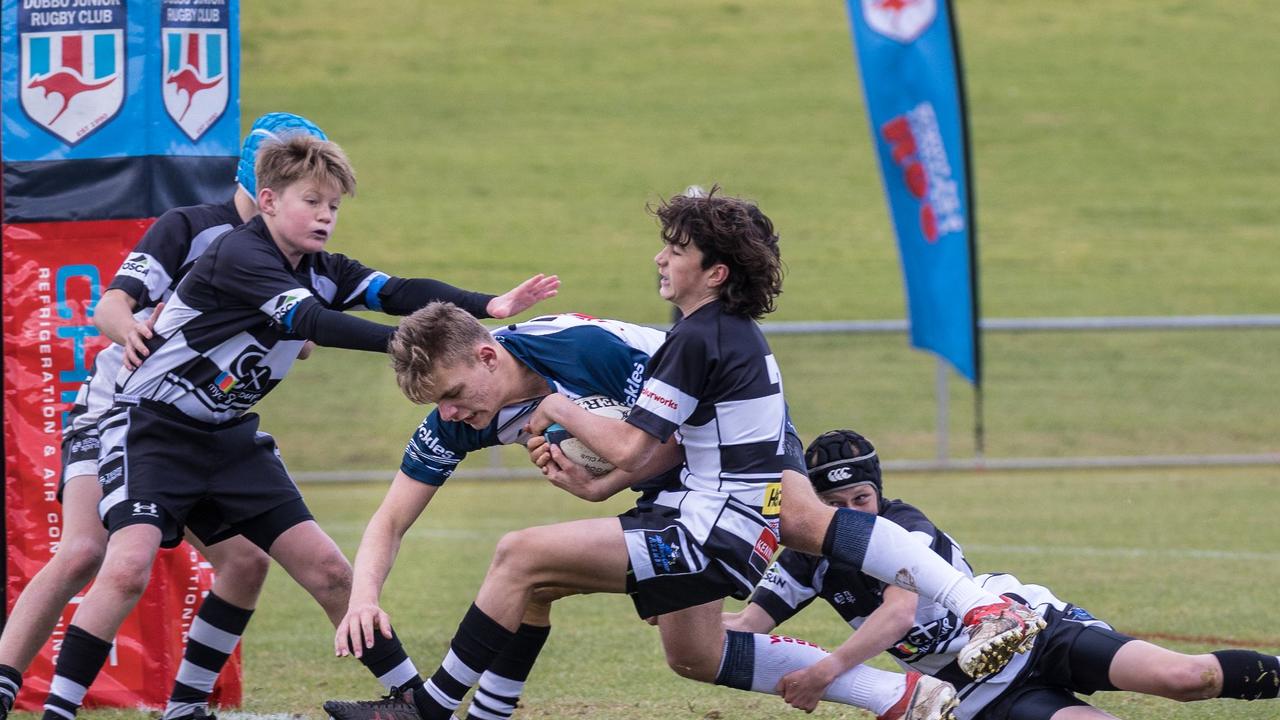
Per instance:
{"type": "Point", "coordinates": [996, 632]}
{"type": "Point", "coordinates": [395, 705]}
{"type": "Point", "coordinates": [926, 698]}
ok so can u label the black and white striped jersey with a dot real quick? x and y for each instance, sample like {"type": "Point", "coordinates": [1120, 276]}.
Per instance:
{"type": "Point", "coordinates": [149, 274]}
{"type": "Point", "coordinates": [223, 341]}
{"type": "Point", "coordinates": [932, 645]}
{"type": "Point", "coordinates": [715, 384]}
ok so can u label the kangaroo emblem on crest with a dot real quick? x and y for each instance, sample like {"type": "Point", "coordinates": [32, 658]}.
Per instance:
{"type": "Point", "coordinates": [186, 81]}
{"type": "Point", "coordinates": [65, 84]}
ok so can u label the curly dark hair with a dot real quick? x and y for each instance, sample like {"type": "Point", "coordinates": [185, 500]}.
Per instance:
{"type": "Point", "coordinates": [734, 232]}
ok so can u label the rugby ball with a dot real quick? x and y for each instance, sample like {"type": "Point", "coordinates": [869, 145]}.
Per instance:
{"type": "Point", "coordinates": [576, 450]}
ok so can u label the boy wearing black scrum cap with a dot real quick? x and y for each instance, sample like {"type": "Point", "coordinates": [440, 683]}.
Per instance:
{"type": "Point", "coordinates": [1075, 653]}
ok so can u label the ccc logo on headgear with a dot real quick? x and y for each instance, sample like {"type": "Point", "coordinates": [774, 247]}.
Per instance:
{"type": "Point", "coordinates": [838, 474]}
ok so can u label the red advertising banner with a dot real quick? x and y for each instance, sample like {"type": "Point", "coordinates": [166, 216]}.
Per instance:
{"type": "Point", "coordinates": [53, 273]}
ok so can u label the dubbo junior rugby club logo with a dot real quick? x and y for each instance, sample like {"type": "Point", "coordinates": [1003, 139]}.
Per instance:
{"type": "Point", "coordinates": [72, 78]}
{"type": "Point", "coordinates": [196, 82]}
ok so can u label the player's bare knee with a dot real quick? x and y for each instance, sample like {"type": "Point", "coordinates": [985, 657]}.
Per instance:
{"type": "Point", "coordinates": [691, 666]}
{"type": "Point", "coordinates": [329, 578]}
{"type": "Point", "coordinates": [78, 561]}
{"type": "Point", "coordinates": [127, 573]}
{"type": "Point", "coordinates": [512, 554]}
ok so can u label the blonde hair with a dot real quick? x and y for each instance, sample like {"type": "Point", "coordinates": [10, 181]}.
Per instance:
{"type": "Point", "coordinates": [438, 335]}
{"type": "Point", "coordinates": [300, 156]}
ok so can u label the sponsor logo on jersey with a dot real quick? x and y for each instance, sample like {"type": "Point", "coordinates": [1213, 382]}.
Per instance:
{"type": "Point", "coordinates": [916, 145]}
{"type": "Point", "coordinates": [902, 20]}
{"type": "Point", "coordinates": [135, 266]}
{"type": "Point", "coordinates": [634, 382]}
{"type": "Point", "coordinates": [926, 639]}
{"type": "Point", "coordinates": [225, 382]}
{"type": "Point", "coordinates": [286, 303]}
{"type": "Point", "coordinates": [141, 509]}
{"type": "Point", "coordinates": [72, 80]}
{"type": "Point", "coordinates": [429, 441]}
{"type": "Point", "coordinates": [772, 499]}
{"type": "Point", "coordinates": [775, 577]}
{"type": "Point", "coordinates": [661, 400]}
{"type": "Point", "coordinates": [244, 381]}
{"type": "Point", "coordinates": [196, 82]}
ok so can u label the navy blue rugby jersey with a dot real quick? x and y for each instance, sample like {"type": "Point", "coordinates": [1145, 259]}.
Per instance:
{"type": "Point", "coordinates": [149, 274]}
{"type": "Point", "coordinates": [716, 386]}
{"type": "Point", "coordinates": [222, 342]}
{"type": "Point", "coordinates": [578, 355]}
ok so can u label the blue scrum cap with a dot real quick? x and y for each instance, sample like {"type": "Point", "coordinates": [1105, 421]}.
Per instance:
{"type": "Point", "coordinates": [272, 126]}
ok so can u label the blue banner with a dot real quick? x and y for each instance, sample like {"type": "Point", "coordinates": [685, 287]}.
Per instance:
{"type": "Point", "coordinates": [911, 79]}
{"type": "Point", "coordinates": [88, 79]}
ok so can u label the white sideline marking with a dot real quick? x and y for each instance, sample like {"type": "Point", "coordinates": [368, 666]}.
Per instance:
{"type": "Point", "coordinates": [1178, 553]}
{"type": "Point", "coordinates": [222, 714]}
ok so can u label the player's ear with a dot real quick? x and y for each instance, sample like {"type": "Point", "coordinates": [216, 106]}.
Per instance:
{"type": "Point", "coordinates": [267, 201]}
{"type": "Point", "coordinates": [488, 356]}
{"type": "Point", "coordinates": [719, 275]}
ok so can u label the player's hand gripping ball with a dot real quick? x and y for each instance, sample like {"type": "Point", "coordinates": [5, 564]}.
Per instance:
{"type": "Point", "coordinates": [576, 450]}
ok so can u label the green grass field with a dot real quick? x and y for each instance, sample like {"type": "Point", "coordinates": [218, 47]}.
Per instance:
{"type": "Point", "coordinates": [1184, 554]}
{"type": "Point", "coordinates": [1126, 165]}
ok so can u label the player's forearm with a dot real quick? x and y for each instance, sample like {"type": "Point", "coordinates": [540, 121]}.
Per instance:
{"type": "Point", "coordinates": [113, 315]}
{"type": "Point", "coordinates": [374, 560]}
{"type": "Point", "coordinates": [402, 296]}
{"type": "Point", "coordinates": [882, 629]}
{"type": "Point", "coordinates": [627, 447]}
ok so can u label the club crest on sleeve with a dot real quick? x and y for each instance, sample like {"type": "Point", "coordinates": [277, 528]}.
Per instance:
{"type": "Point", "coordinates": [901, 20]}
{"type": "Point", "coordinates": [196, 77]}
{"type": "Point", "coordinates": [72, 77]}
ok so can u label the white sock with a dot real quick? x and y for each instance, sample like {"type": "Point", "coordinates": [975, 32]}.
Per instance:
{"type": "Point", "coordinates": [771, 657]}
{"type": "Point", "coordinates": [895, 557]}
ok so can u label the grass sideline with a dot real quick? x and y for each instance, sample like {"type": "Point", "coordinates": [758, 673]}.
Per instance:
{"type": "Point", "coordinates": [1177, 553]}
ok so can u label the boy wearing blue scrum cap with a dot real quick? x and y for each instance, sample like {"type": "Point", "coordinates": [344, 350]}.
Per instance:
{"type": "Point", "coordinates": [188, 380]}
{"type": "Point", "coordinates": [126, 312]}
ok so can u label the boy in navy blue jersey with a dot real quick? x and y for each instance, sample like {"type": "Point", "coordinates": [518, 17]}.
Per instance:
{"type": "Point", "coordinates": [180, 450]}
{"type": "Point", "coordinates": [486, 385]}
{"type": "Point", "coordinates": [1076, 653]}
{"type": "Point", "coordinates": [710, 529]}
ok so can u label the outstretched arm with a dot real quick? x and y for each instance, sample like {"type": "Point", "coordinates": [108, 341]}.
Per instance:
{"type": "Point", "coordinates": [524, 296]}
{"type": "Point", "coordinates": [402, 296]}
{"type": "Point", "coordinates": [405, 501]}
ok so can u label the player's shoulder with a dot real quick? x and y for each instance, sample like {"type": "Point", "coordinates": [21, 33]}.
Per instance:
{"type": "Point", "coordinates": [201, 217]}
{"type": "Point", "coordinates": [907, 515]}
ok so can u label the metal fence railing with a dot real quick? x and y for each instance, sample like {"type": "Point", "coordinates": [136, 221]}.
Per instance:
{"type": "Point", "coordinates": [942, 461]}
